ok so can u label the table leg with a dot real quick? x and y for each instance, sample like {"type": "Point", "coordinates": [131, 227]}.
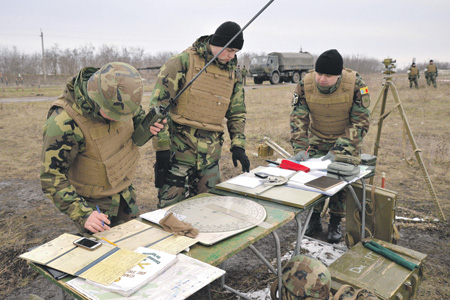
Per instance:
{"type": "Point", "coordinates": [301, 228]}
{"type": "Point", "coordinates": [265, 261]}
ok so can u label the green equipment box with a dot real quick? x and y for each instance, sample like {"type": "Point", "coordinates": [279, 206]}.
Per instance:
{"type": "Point", "coordinates": [380, 215]}
{"type": "Point", "coordinates": [363, 268]}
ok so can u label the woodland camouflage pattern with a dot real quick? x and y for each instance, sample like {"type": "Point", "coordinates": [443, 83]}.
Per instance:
{"type": "Point", "coordinates": [354, 133]}
{"type": "Point", "coordinates": [195, 152]}
{"type": "Point", "coordinates": [63, 141]}
{"type": "Point", "coordinates": [171, 79]}
{"type": "Point", "coordinates": [117, 88]}
{"type": "Point", "coordinates": [349, 144]}
{"type": "Point", "coordinates": [305, 278]}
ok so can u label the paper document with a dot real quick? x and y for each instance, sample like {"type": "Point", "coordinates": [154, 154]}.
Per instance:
{"type": "Point", "coordinates": [104, 264]}
{"type": "Point", "coordinates": [184, 278]}
{"type": "Point", "coordinates": [155, 263]}
{"type": "Point", "coordinates": [246, 181]}
{"type": "Point", "coordinates": [316, 163]}
{"type": "Point", "coordinates": [274, 171]}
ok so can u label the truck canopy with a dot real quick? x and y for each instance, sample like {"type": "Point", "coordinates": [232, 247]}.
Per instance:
{"type": "Point", "coordinates": [294, 60]}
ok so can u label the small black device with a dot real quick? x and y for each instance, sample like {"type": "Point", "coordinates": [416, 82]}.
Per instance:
{"type": "Point", "coordinates": [87, 243]}
{"type": "Point", "coordinates": [261, 175]}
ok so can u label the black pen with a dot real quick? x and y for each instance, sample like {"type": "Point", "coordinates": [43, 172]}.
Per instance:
{"type": "Point", "coordinates": [272, 162]}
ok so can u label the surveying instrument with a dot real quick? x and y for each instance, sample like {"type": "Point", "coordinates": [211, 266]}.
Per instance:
{"type": "Point", "coordinates": [389, 85]}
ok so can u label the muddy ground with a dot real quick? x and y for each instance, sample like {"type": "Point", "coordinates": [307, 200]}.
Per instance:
{"type": "Point", "coordinates": [23, 205]}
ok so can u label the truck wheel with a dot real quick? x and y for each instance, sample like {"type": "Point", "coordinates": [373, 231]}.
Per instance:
{"type": "Point", "coordinates": [275, 79]}
{"type": "Point", "coordinates": [295, 77]}
{"type": "Point", "coordinates": [257, 80]}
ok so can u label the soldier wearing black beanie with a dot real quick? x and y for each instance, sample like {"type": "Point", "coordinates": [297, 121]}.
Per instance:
{"type": "Point", "coordinates": [197, 121]}
{"type": "Point", "coordinates": [329, 120]}
{"type": "Point", "coordinates": [330, 62]}
{"type": "Point", "coordinates": [225, 32]}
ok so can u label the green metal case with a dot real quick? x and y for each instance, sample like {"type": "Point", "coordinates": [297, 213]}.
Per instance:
{"type": "Point", "coordinates": [362, 268]}
{"type": "Point", "coordinates": [380, 215]}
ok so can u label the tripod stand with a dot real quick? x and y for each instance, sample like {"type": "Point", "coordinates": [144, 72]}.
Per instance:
{"type": "Point", "coordinates": [388, 84]}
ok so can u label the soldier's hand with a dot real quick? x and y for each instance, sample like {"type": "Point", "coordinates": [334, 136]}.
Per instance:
{"type": "Point", "coordinates": [329, 156]}
{"type": "Point", "coordinates": [94, 222]}
{"type": "Point", "coordinates": [300, 156]}
{"type": "Point", "coordinates": [156, 127]}
{"type": "Point", "coordinates": [239, 154]}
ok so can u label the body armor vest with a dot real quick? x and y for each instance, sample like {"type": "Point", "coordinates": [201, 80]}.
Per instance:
{"type": "Point", "coordinates": [204, 104]}
{"type": "Point", "coordinates": [431, 68]}
{"type": "Point", "coordinates": [108, 164]}
{"type": "Point", "coordinates": [414, 71]}
{"type": "Point", "coordinates": [330, 113]}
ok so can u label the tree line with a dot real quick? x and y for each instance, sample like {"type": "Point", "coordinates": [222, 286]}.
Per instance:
{"type": "Point", "coordinates": [66, 62]}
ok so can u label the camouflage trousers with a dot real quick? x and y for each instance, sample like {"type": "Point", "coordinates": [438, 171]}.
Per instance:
{"type": "Point", "coordinates": [413, 80]}
{"type": "Point", "coordinates": [195, 164]}
{"type": "Point", "coordinates": [337, 201]}
{"type": "Point", "coordinates": [120, 208]}
{"type": "Point", "coordinates": [431, 79]}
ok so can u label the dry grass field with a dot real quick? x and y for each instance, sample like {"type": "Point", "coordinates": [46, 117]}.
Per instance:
{"type": "Point", "coordinates": [28, 219]}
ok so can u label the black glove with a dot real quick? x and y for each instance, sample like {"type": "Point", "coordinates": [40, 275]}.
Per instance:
{"type": "Point", "coordinates": [162, 167]}
{"type": "Point", "coordinates": [239, 154]}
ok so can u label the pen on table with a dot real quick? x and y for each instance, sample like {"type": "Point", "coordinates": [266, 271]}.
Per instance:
{"type": "Point", "coordinates": [306, 152]}
{"type": "Point", "coordinates": [109, 242]}
{"type": "Point", "coordinates": [98, 210]}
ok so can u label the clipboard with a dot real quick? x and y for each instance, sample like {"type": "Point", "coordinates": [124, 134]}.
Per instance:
{"type": "Point", "coordinates": [324, 183]}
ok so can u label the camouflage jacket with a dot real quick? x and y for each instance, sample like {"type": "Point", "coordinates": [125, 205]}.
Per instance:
{"type": "Point", "coordinates": [171, 79]}
{"type": "Point", "coordinates": [63, 141]}
{"type": "Point", "coordinates": [354, 133]}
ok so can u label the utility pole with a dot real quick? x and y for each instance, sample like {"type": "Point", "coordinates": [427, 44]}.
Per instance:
{"type": "Point", "coordinates": [44, 70]}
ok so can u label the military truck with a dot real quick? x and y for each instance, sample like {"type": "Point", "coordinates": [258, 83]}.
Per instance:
{"type": "Point", "coordinates": [280, 67]}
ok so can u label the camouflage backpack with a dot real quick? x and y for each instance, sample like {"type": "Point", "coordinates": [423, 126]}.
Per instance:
{"type": "Point", "coordinates": [304, 278]}
{"type": "Point", "coordinates": [347, 292]}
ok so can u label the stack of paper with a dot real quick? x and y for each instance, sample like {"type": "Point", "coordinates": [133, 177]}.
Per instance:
{"type": "Point", "coordinates": [184, 278]}
{"type": "Point", "coordinates": [155, 263]}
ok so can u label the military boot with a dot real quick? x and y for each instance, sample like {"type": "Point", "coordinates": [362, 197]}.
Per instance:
{"type": "Point", "coordinates": [314, 226]}
{"type": "Point", "coordinates": [334, 230]}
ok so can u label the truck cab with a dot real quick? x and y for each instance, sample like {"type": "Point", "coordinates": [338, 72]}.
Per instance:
{"type": "Point", "coordinates": [264, 68]}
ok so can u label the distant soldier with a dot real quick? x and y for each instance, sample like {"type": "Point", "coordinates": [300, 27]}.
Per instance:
{"type": "Point", "coordinates": [413, 76]}
{"type": "Point", "coordinates": [431, 73]}
{"type": "Point", "coordinates": [19, 82]}
{"type": "Point", "coordinates": [330, 116]}
{"type": "Point", "coordinates": [88, 157]}
{"type": "Point", "coordinates": [190, 149]}
{"type": "Point", "coordinates": [238, 73]}
{"type": "Point", "coordinates": [244, 75]}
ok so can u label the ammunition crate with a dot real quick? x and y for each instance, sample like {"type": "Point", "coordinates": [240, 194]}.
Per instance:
{"type": "Point", "coordinates": [362, 268]}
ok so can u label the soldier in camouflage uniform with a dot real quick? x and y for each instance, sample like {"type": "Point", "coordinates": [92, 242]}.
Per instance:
{"type": "Point", "coordinates": [88, 157]}
{"type": "Point", "coordinates": [304, 278]}
{"type": "Point", "coordinates": [244, 75]}
{"type": "Point", "coordinates": [431, 73]}
{"type": "Point", "coordinates": [189, 149]}
{"type": "Point", "coordinates": [331, 116]}
{"type": "Point", "coordinates": [413, 76]}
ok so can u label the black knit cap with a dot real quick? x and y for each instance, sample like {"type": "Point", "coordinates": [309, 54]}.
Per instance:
{"type": "Point", "coordinates": [225, 32]}
{"type": "Point", "coordinates": [330, 62]}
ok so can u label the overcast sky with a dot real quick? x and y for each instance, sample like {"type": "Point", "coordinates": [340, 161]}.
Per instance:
{"type": "Point", "coordinates": [399, 29]}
